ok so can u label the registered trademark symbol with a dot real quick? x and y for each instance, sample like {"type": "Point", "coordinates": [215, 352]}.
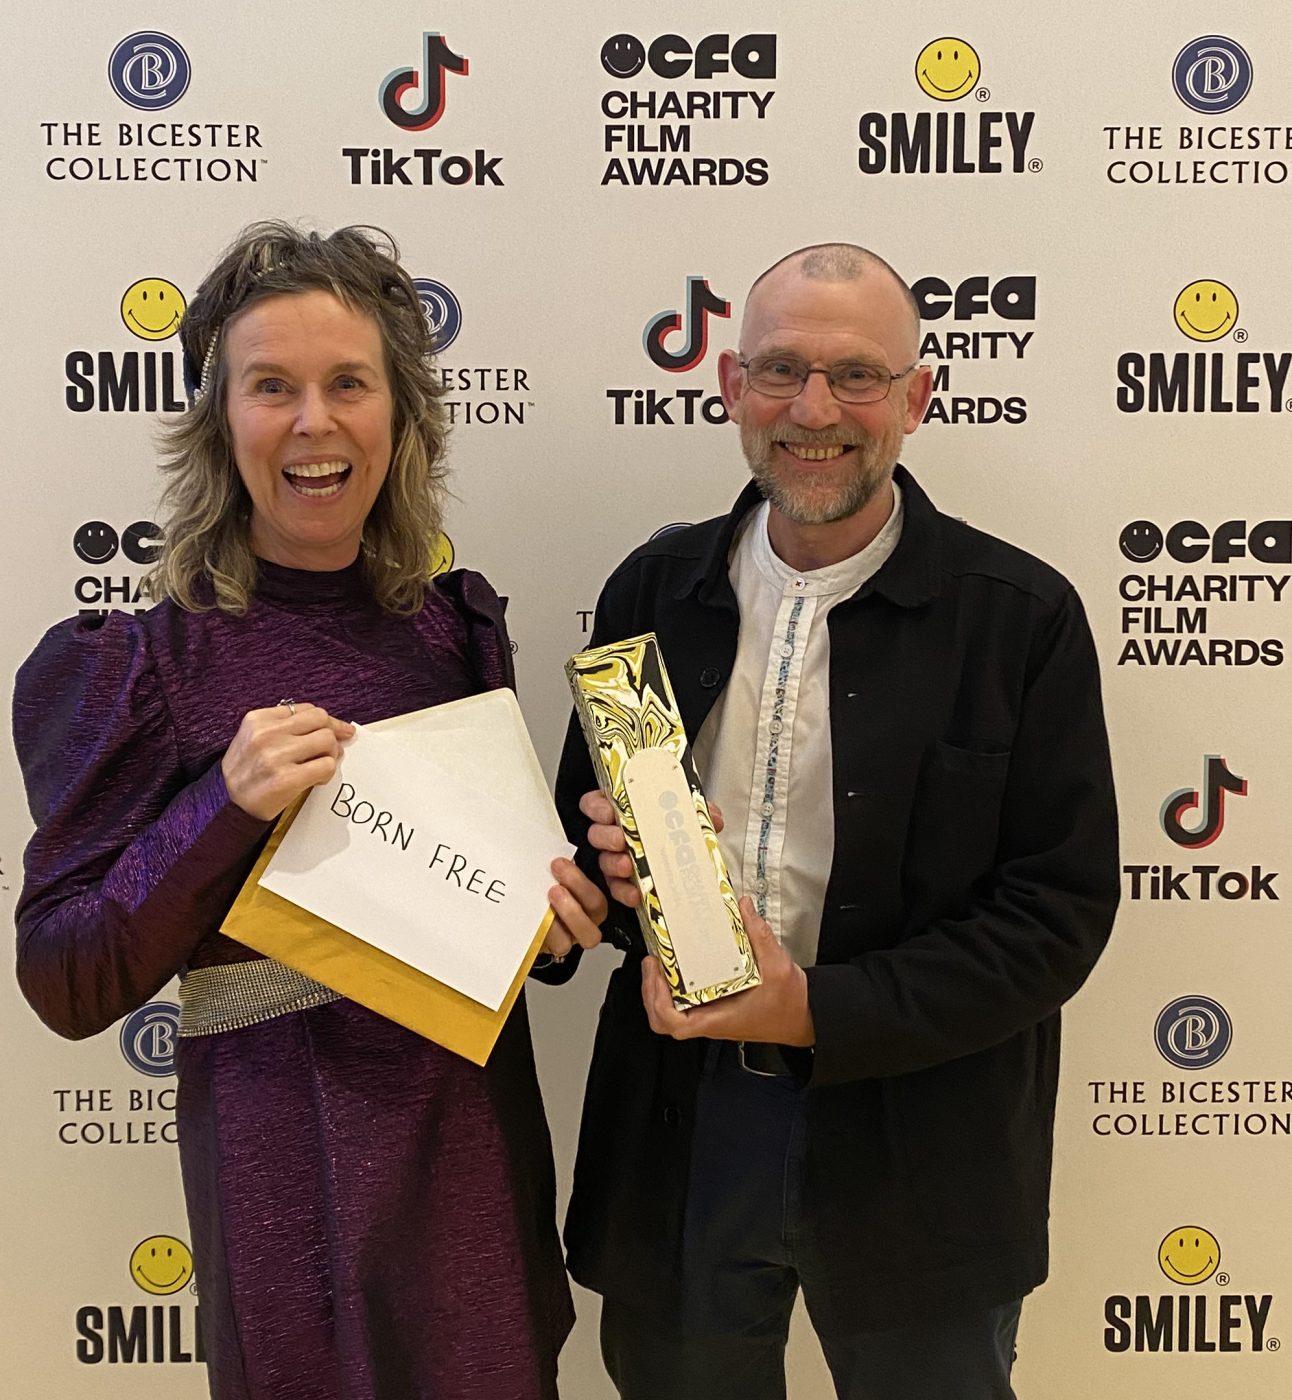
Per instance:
{"type": "Point", "coordinates": [514, 648]}
{"type": "Point", "coordinates": [1222, 1280]}
{"type": "Point", "coordinates": [1288, 405]}
{"type": "Point", "coordinates": [1273, 1344]}
{"type": "Point", "coordinates": [1035, 165]}
{"type": "Point", "coordinates": [983, 94]}
{"type": "Point", "coordinates": [1240, 334]}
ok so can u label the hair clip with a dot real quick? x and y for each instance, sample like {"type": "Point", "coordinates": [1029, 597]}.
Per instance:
{"type": "Point", "coordinates": [203, 380]}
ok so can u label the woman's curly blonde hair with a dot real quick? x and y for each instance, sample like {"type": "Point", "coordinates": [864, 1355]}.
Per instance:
{"type": "Point", "coordinates": [206, 557]}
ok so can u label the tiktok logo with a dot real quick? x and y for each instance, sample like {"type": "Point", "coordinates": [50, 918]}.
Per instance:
{"type": "Point", "coordinates": [437, 59]}
{"type": "Point", "coordinates": [1216, 782]}
{"type": "Point", "coordinates": [700, 305]}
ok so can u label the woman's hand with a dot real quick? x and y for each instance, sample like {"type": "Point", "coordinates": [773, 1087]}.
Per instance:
{"type": "Point", "coordinates": [279, 752]}
{"type": "Point", "coordinates": [580, 908]}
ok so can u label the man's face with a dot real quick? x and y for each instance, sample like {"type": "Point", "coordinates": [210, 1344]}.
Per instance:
{"type": "Point", "coordinates": [816, 459]}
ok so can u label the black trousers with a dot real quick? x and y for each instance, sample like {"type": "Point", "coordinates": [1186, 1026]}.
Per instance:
{"type": "Point", "coordinates": [724, 1337]}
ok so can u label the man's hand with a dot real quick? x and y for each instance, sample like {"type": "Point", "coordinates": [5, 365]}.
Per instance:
{"type": "Point", "coordinates": [606, 837]}
{"type": "Point", "coordinates": [774, 1012]}
{"type": "Point", "coordinates": [580, 908]}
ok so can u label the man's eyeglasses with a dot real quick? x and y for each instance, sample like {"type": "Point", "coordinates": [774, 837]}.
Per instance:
{"type": "Point", "coordinates": [850, 381]}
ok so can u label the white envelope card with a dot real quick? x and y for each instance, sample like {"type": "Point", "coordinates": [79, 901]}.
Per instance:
{"type": "Point", "coordinates": [433, 843]}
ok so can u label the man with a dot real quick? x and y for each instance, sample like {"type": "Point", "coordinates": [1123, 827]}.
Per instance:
{"type": "Point", "coordinates": [900, 718]}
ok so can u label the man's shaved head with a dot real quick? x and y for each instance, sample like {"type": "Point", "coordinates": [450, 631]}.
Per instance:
{"type": "Point", "coordinates": [838, 262]}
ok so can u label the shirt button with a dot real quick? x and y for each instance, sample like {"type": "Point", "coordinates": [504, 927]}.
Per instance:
{"type": "Point", "coordinates": [710, 677]}
{"type": "Point", "coordinates": [787, 650]}
{"type": "Point", "coordinates": [760, 886]}
{"type": "Point", "coordinates": [672, 1116]}
{"type": "Point", "coordinates": [776, 726]}
{"type": "Point", "coordinates": [767, 808]}
{"type": "Point", "coordinates": [799, 585]}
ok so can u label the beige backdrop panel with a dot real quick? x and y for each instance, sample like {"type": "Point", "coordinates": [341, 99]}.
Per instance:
{"type": "Point", "coordinates": [558, 270]}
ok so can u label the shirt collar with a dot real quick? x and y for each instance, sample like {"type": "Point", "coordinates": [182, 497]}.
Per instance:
{"type": "Point", "coordinates": [911, 575]}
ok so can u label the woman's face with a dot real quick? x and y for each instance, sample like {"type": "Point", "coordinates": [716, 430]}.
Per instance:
{"type": "Point", "coordinates": [309, 410]}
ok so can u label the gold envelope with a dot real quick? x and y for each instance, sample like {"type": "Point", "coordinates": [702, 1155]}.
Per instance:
{"type": "Point", "coordinates": [283, 930]}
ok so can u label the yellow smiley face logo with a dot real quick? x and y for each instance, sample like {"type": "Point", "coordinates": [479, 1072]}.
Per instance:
{"type": "Point", "coordinates": [152, 308]}
{"type": "Point", "coordinates": [161, 1264]}
{"type": "Point", "coordinates": [441, 555]}
{"type": "Point", "coordinates": [1206, 310]}
{"type": "Point", "coordinates": [947, 69]}
{"type": "Point", "coordinates": [1189, 1255]}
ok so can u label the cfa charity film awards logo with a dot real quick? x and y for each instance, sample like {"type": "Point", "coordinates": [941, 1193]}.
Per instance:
{"type": "Point", "coordinates": [656, 135]}
{"type": "Point", "coordinates": [99, 544]}
{"type": "Point", "coordinates": [154, 1333]}
{"type": "Point", "coordinates": [952, 138]}
{"type": "Point", "coordinates": [414, 100]}
{"type": "Point", "coordinates": [1197, 1320]}
{"type": "Point", "coordinates": [676, 341]}
{"type": "Point", "coordinates": [984, 319]}
{"type": "Point", "coordinates": [1177, 616]}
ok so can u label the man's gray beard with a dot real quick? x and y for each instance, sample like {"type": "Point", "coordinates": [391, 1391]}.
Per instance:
{"type": "Point", "coordinates": [806, 503]}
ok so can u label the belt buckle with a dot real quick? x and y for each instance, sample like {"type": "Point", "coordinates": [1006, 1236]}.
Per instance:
{"type": "Point", "coordinates": [749, 1069]}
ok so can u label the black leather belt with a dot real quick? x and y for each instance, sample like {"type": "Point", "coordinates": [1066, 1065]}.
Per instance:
{"type": "Point", "coordinates": [776, 1061]}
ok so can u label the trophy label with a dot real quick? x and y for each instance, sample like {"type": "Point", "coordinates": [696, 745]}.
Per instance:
{"type": "Point", "coordinates": [698, 923]}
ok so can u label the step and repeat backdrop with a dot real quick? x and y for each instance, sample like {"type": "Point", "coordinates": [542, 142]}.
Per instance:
{"type": "Point", "coordinates": [1092, 209]}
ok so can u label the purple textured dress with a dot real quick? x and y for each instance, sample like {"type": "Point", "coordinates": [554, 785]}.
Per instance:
{"type": "Point", "coordinates": [373, 1217]}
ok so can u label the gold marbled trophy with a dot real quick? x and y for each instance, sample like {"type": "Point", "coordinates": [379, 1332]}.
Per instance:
{"type": "Point", "coordinates": [689, 916]}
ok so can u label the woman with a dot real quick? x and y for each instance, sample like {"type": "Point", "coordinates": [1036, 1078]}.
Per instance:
{"type": "Point", "coordinates": [372, 1216]}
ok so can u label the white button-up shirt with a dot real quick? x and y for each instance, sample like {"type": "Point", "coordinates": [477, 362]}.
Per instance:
{"type": "Point", "coordinates": [763, 753]}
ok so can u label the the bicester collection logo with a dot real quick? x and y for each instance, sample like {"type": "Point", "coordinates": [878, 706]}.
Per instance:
{"type": "Point", "coordinates": [1211, 76]}
{"type": "Point", "coordinates": [150, 72]}
{"type": "Point", "coordinates": [948, 139]}
{"type": "Point", "coordinates": [686, 403]}
{"type": "Point", "coordinates": [1197, 1320]}
{"type": "Point", "coordinates": [1220, 380]}
{"type": "Point", "coordinates": [127, 1115]}
{"type": "Point", "coordinates": [414, 100]}
{"type": "Point", "coordinates": [478, 395]}
{"type": "Point", "coordinates": [1193, 1034]}
{"type": "Point", "coordinates": [657, 135]}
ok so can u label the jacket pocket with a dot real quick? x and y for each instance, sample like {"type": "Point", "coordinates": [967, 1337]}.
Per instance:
{"type": "Point", "coordinates": [954, 828]}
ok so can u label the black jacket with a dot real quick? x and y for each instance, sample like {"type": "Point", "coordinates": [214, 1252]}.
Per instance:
{"type": "Point", "coordinates": [974, 884]}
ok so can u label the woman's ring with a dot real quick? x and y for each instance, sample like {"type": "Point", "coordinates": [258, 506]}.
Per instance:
{"type": "Point", "coordinates": [291, 705]}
